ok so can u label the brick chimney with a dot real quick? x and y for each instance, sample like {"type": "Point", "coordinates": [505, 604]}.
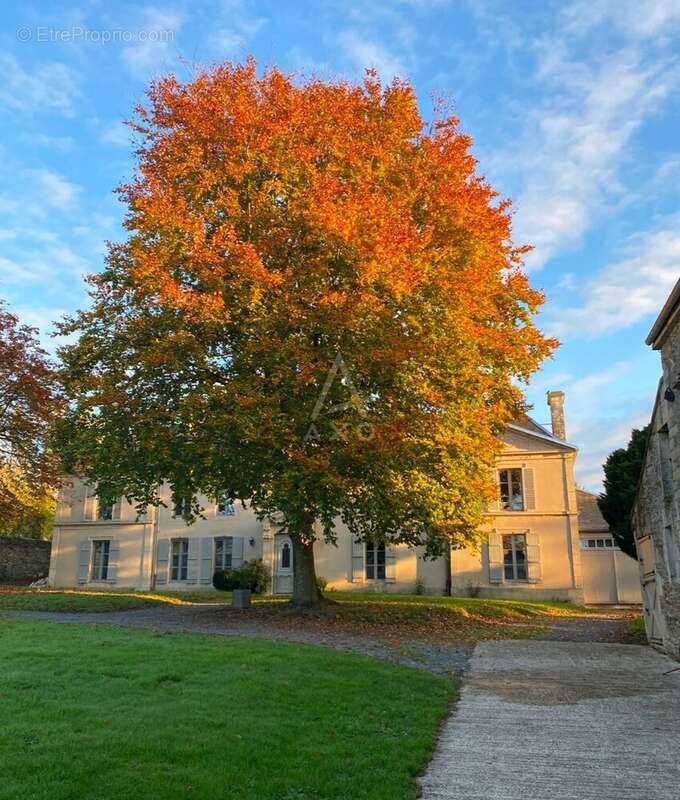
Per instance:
{"type": "Point", "coordinates": [556, 403]}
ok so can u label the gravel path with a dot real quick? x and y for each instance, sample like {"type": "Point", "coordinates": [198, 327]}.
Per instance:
{"type": "Point", "coordinates": [218, 620]}
{"type": "Point", "coordinates": [605, 626]}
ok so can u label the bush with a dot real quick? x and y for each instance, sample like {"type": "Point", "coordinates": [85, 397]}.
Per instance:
{"type": "Point", "coordinates": [255, 576]}
{"type": "Point", "coordinates": [419, 587]}
{"type": "Point", "coordinates": [321, 583]}
{"type": "Point", "coordinates": [226, 580]}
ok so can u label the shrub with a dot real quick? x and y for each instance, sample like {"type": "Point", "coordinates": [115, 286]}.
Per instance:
{"type": "Point", "coordinates": [321, 583]}
{"type": "Point", "coordinates": [419, 587]}
{"type": "Point", "coordinates": [255, 576]}
{"type": "Point", "coordinates": [226, 580]}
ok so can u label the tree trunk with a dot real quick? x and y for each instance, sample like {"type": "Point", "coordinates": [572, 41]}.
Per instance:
{"type": "Point", "coordinates": [306, 592]}
{"type": "Point", "coordinates": [447, 585]}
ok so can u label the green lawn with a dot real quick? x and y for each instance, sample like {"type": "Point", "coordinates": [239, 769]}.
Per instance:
{"type": "Point", "coordinates": [99, 713]}
{"type": "Point", "coordinates": [77, 601]}
{"type": "Point", "coordinates": [464, 606]}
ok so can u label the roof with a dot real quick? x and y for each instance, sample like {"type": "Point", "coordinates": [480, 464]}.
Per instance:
{"type": "Point", "coordinates": [530, 427]}
{"type": "Point", "coordinates": [669, 312]}
{"type": "Point", "coordinates": [590, 518]}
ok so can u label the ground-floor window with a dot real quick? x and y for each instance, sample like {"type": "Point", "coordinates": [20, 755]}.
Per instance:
{"type": "Point", "coordinates": [223, 553]}
{"type": "Point", "coordinates": [179, 566]}
{"type": "Point", "coordinates": [375, 561]}
{"type": "Point", "coordinates": [515, 557]}
{"type": "Point", "coordinates": [100, 560]}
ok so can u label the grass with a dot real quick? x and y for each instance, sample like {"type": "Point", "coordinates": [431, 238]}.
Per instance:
{"type": "Point", "coordinates": [636, 629]}
{"type": "Point", "coordinates": [95, 713]}
{"type": "Point", "coordinates": [13, 599]}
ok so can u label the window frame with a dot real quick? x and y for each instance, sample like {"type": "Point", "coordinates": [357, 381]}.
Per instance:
{"type": "Point", "coordinates": [373, 564]}
{"type": "Point", "coordinates": [182, 566]}
{"type": "Point", "coordinates": [99, 573]}
{"type": "Point", "coordinates": [227, 543]}
{"type": "Point", "coordinates": [224, 507]}
{"type": "Point", "coordinates": [515, 578]}
{"type": "Point", "coordinates": [505, 475]}
{"type": "Point", "coordinates": [102, 508]}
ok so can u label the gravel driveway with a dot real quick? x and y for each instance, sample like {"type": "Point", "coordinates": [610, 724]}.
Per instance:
{"type": "Point", "coordinates": [219, 620]}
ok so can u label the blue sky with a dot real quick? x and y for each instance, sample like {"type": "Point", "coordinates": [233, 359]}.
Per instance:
{"type": "Point", "coordinates": [573, 107]}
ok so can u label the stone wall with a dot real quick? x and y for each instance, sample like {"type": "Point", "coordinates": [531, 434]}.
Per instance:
{"type": "Point", "coordinates": [657, 507]}
{"type": "Point", "coordinates": [23, 560]}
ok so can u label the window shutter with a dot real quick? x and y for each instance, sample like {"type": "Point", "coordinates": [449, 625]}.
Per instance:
{"type": "Point", "coordinates": [528, 489]}
{"type": "Point", "coordinates": [162, 557]}
{"type": "Point", "coordinates": [89, 505]}
{"type": "Point", "coordinates": [114, 556]}
{"type": "Point", "coordinates": [533, 558]}
{"type": "Point", "coordinates": [495, 505]}
{"type": "Point", "coordinates": [207, 547]}
{"type": "Point", "coordinates": [193, 560]}
{"type": "Point", "coordinates": [84, 561]}
{"type": "Point", "coordinates": [357, 562]}
{"type": "Point", "coordinates": [495, 548]}
{"type": "Point", "coordinates": [236, 552]}
{"type": "Point", "coordinates": [390, 564]}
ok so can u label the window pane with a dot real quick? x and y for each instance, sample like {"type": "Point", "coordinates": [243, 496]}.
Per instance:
{"type": "Point", "coordinates": [517, 499]}
{"type": "Point", "coordinates": [285, 556]}
{"type": "Point", "coordinates": [509, 572]}
{"type": "Point", "coordinates": [609, 542]}
{"type": "Point", "coordinates": [370, 571]}
{"type": "Point", "coordinates": [521, 571]}
{"type": "Point", "coordinates": [591, 542]}
{"type": "Point", "coordinates": [381, 554]}
{"type": "Point", "coordinates": [504, 489]}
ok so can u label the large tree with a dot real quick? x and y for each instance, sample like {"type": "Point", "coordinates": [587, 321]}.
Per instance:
{"type": "Point", "coordinates": [29, 405]}
{"type": "Point", "coordinates": [621, 476]}
{"type": "Point", "coordinates": [318, 309]}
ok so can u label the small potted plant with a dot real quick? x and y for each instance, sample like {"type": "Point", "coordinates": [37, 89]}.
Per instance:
{"type": "Point", "coordinates": [240, 597]}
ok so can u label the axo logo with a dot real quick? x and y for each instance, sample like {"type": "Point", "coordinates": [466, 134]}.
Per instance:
{"type": "Point", "coordinates": [321, 416]}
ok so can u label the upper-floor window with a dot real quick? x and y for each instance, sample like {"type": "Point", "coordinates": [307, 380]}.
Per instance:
{"type": "Point", "coordinates": [223, 553]}
{"type": "Point", "coordinates": [588, 544]}
{"type": "Point", "coordinates": [182, 507]}
{"type": "Point", "coordinates": [515, 557]}
{"type": "Point", "coordinates": [375, 561]}
{"type": "Point", "coordinates": [100, 560]}
{"type": "Point", "coordinates": [179, 564]}
{"type": "Point", "coordinates": [511, 490]}
{"type": "Point", "coordinates": [225, 506]}
{"type": "Point", "coordinates": [104, 510]}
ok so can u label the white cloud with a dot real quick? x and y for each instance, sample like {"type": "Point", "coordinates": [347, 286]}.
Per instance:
{"type": "Point", "coordinates": [117, 134]}
{"type": "Point", "coordinates": [49, 189]}
{"type": "Point", "coordinates": [627, 291]}
{"type": "Point", "coordinates": [578, 141]}
{"type": "Point", "coordinates": [650, 19]}
{"type": "Point", "coordinates": [63, 144]}
{"type": "Point", "coordinates": [363, 53]}
{"type": "Point", "coordinates": [50, 86]}
{"type": "Point", "coordinates": [155, 47]}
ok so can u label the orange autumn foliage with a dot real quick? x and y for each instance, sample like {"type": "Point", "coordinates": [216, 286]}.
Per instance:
{"type": "Point", "coordinates": [274, 223]}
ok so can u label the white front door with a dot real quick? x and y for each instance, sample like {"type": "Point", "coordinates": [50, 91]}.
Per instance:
{"type": "Point", "coordinates": [283, 570]}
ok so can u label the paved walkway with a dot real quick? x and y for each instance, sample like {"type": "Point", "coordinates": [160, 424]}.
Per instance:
{"type": "Point", "coordinates": [558, 720]}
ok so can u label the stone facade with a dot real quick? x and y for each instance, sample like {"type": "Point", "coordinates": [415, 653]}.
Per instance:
{"type": "Point", "coordinates": [532, 549]}
{"type": "Point", "coordinates": [656, 516]}
{"type": "Point", "coordinates": [23, 560]}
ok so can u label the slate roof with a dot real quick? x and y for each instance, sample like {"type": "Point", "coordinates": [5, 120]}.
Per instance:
{"type": "Point", "coordinates": [590, 520]}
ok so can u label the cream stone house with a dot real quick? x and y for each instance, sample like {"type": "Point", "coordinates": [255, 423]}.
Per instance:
{"type": "Point", "coordinates": [532, 550]}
